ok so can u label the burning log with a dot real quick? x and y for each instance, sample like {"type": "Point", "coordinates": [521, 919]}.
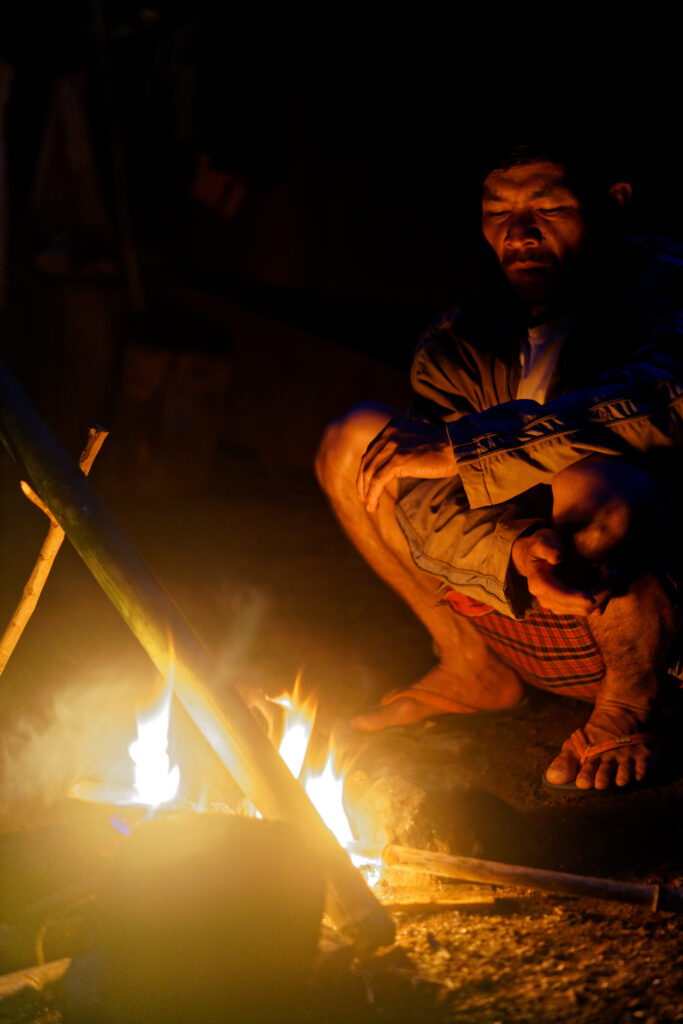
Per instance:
{"type": "Point", "coordinates": [472, 870]}
{"type": "Point", "coordinates": [231, 730]}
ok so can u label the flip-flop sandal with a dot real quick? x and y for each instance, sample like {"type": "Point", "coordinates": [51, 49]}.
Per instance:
{"type": "Point", "coordinates": [587, 751]}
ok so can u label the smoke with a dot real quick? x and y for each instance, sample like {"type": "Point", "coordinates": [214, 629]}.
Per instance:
{"type": "Point", "coordinates": [78, 732]}
{"type": "Point", "coordinates": [242, 613]}
{"type": "Point", "coordinates": [82, 729]}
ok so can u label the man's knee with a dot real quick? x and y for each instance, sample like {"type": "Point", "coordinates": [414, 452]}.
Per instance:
{"type": "Point", "coordinates": [345, 440]}
{"type": "Point", "coordinates": [606, 503]}
{"type": "Point", "coordinates": [584, 487]}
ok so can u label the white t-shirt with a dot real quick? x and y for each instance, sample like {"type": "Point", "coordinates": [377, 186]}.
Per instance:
{"type": "Point", "coordinates": [538, 357]}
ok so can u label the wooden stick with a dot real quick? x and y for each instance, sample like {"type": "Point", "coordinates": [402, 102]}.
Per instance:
{"type": "Point", "coordinates": [472, 870]}
{"type": "Point", "coordinates": [232, 731]}
{"type": "Point", "coordinates": [471, 904]}
{"type": "Point", "coordinates": [48, 553]}
{"type": "Point", "coordinates": [33, 977]}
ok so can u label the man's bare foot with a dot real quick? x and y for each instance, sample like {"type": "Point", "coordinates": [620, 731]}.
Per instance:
{"type": "Point", "coordinates": [624, 763]}
{"type": "Point", "coordinates": [439, 693]}
{"type": "Point", "coordinates": [401, 711]}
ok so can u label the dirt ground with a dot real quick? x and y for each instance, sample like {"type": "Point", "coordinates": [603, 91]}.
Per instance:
{"type": "Point", "coordinates": [253, 558]}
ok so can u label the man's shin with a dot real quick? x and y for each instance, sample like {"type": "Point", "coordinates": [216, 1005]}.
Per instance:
{"type": "Point", "coordinates": [635, 633]}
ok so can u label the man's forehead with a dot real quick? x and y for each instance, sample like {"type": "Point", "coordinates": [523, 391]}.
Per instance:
{"type": "Point", "coordinates": [529, 180]}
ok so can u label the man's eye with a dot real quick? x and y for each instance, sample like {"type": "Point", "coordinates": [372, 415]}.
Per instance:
{"type": "Point", "coordinates": [496, 213]}
{"type": "Point", "coordinates": [551, 209]}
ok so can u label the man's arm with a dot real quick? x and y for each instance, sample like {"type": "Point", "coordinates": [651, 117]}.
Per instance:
{"type": "Point", "coordinates": [504, 451]}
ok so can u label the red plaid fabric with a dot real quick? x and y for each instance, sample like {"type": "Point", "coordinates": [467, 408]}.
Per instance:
{"type": "Point", "coordinates": [553, 652]}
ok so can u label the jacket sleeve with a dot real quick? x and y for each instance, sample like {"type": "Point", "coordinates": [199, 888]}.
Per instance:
{"type": "Point", "coordinates": [633, 409]}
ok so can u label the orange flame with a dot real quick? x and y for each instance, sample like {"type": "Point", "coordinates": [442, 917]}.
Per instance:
{"type": "Point", "coordinates": [323, 788]}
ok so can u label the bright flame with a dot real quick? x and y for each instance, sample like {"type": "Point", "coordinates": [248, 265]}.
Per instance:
{"type": "Point", "coordinates": [325, 793]}
{"type": "Point", "coordinates": [324, 789]}
{"type": "Point", "coordinates": [155, 782]}
{"type": "Point", "coordinates": [299, 723]}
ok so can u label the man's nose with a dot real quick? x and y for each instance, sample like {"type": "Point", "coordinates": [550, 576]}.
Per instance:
{"type": "Point", "coordinates": [523, 230]}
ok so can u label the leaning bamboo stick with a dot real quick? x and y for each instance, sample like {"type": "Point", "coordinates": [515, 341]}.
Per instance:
{"type": "Point", "coordinates": [33, 977]}
{"type": "Point", "coordinates": [472, 870]}
{"type": "Point", "coordinates": [231, 729]}
{"type": "Point", "coordinates": [48, 552]}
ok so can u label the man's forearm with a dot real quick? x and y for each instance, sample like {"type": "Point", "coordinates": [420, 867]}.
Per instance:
{"type": "Point", "coordinates": [522, 444]}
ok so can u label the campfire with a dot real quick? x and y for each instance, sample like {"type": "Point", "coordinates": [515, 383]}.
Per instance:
{"type": "Point", "coordinates": [154, 784]}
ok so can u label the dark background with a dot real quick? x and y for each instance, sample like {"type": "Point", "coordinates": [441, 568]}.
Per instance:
{"type": "Point", "coordinates": [353, 137]}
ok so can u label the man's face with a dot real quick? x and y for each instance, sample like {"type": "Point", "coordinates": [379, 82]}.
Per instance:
{"type": "Point", "coordinates": [536, 226]}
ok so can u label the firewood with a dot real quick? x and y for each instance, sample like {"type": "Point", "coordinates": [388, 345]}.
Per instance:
{"type": "Point", "coordinates": [33, 977]}
{"type": "Point", "coordinates": [441, 904]}
{"type": "Point", "coordinates": [472, 870]}
{"type": "Point", "coordinates": [47, 555]}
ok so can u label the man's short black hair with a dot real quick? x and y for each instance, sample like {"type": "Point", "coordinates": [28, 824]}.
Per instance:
{"type": "Point", "coordinates": [591, 165]}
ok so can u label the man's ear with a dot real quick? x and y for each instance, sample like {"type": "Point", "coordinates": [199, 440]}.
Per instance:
{"type": "Point", "coordinates": [619, 200]}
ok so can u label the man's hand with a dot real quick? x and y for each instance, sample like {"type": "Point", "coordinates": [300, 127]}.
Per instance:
{"type": "Point", "coordinates": [404, 448]}
{"type": "Point", "coordinates": [538, 558]}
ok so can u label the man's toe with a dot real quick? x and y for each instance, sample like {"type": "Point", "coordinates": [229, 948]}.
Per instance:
{"type": "Point", "coordinates": [626, 772]}
{"type": "Point", "coordinates": [605, 773]}
{"type": "Point", "coordinates": [587, 777]}
{"type": "Point", "coordinates": [562, 769]}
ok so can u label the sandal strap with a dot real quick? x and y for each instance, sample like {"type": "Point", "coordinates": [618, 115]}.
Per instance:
{"type": "Point", "coordinates": [587, 751]}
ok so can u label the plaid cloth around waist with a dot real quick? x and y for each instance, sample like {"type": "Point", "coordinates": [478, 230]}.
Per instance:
{"type": "Point", "coordinates": [554, 652]}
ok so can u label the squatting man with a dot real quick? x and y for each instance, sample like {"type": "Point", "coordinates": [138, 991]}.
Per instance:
{"type": "Point", "coordinates": [525, 508]}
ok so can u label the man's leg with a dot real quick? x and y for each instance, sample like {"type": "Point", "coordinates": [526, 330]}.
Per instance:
{"type": "Point", "coordinates": [472, 677]}
{"type": "Point", "coordinates": [615, 512]}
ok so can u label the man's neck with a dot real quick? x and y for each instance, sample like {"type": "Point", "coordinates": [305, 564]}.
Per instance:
{"type": "Point", "coordinates": [545, 314]}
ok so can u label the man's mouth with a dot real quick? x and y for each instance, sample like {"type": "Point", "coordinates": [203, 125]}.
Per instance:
{"type": "Point", "coordinates": [523, 265]}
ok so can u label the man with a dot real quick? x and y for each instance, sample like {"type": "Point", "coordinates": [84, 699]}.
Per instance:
{"type": "Point", "coordinates": [521, 510]}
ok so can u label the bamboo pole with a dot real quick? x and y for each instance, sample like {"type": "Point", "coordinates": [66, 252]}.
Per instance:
{"type": "Point", "coordinates": [231, 729]}
{"type": "Point", "coordinates": [472, 870]}
{"type": "Point", "coordinates": [46, 557]}
{"type": "Point", "coordinates": [36, 978]}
